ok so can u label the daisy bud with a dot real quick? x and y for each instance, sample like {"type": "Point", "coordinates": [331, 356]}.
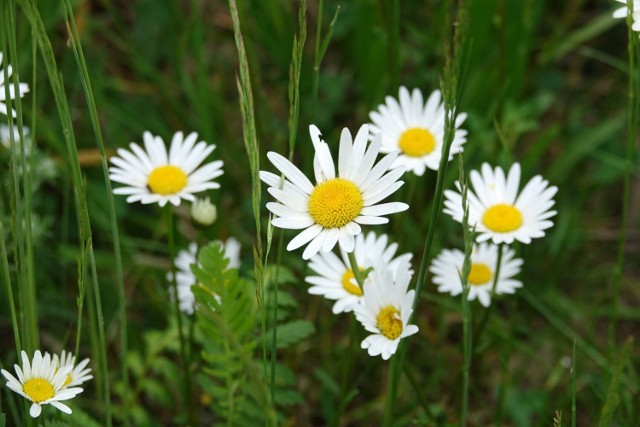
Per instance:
{"type": "Point", "coordinates": [204, 212]}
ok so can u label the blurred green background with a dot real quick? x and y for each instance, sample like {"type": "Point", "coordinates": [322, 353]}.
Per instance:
{"type": "Point", "coordinates": [546, 85]}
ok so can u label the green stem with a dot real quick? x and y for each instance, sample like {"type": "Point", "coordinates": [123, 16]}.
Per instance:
{"type": "Point", "coordinates": [391, 17]}
{"type": "Point", "coordinates": [422, 400]}
{"type": "Point", "coordinates": [22, 211]}
{"type": "Point", "coordinates": [7, 282]}
{"type": "Point", "coordinates": [115, 235]}
{"type": "Point", "coordinates": [347, 363]}
{"type": "Point", "coordinates": [82, 289]}
{"type": "Point", "coordinates": [487, 313]}
{"type": "Point", "coordinates": [274, 327]}
{"type": "Point", "coordinates": [174, 285]}
{"type": "Point", "coordinates": [356, 269]}
{"type": "Point", "coordinates": [316, 61]}
{"type": "Point", "coordinates": [573, 385]}
{"type": "Point", "coordinates": [102, 340]}
{"type": "Point", "coordinates": [632, 130]}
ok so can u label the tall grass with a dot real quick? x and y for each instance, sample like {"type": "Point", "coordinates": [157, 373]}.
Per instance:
{"type": "Point", "coordinates": [633, 111]}
{"type": "Point", "coordinates": [72, 30]}
{"type": "Point", "coordinates": [451, 86]}
{"type": "Point", "coordinates": [84, 223]}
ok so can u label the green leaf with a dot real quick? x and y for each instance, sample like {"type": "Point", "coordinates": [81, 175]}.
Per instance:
{"type": "Point", "coordinates": [293, 332]}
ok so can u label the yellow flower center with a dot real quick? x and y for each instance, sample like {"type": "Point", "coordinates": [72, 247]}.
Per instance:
{"type": "Point", "coordinates": [67, 381]}
{"type": "Point", "coordinates": [348, 285]}
{"type": "Point", "coordinates": [38, 389]}
{"type": "Point", "coordinates": [389, 322]}
{"type": "Point", "coordinates": [479, 274]}
{"type": "Point", "coordinates": [502, 218]}
{"type": "Point", "coordinates": [167, 180]}
{"type": "Point", "coordinates": [417, 142]}
{"type": "Point", "coordinates": [335, 203]}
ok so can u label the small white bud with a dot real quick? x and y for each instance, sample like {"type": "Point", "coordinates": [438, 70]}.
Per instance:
{"type": "Point", "coordinates": [204, 212]}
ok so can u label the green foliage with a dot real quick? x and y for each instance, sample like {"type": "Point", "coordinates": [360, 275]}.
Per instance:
{"type": "Point", "coordinates": [155, 377]}
{"type": "Point", "coordinates": [291, 333]}
{"type": "Point", "coordinates": [613, 394]}
{"type": "Point", "coordinates": [227, 317]}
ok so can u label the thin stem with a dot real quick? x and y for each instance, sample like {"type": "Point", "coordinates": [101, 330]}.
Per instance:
{"type": "Point", "coordinates": [22, 208]}
{"type": "Point", "coordinates": [573, 386]}
{"type": "Point", "coordinates": [316, 61]}
{"type": "Point", "coordinates": [115, 235]}
{"type": "Point", "coordinates": [356, 269]}
{"type": "Point", "coordinates": [7, 282]}
{"type": "Point", "coordinates": [451, 85]}
{"type": "Point", "coordinates": [274, 327]}
{"type": "Point", "coordinates": [174, 285]}
{"type": "Point", "coordinates": [419, 392]}
{"type": "Point", "coordinates": [320, 49]}
{"type": "Point", "coordinates": [632, 130]}
{"type": "Point", "coordinates": [467, 344]}
{"type": "Point", "coordinates": [102, 340]}
{"type": "Point", "coordinates": [347, 363]}
{"type": "Point", "coordinates": [82, 289]}
{"type": "Point", "coordinates": [487, 313]}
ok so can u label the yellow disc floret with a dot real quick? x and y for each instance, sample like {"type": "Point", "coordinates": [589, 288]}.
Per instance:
{"type": "Point", "coordinates": [38, 389]}
{"type": "Point", "coordinates": [348, 285]}
{"type": "Point", "coordinates": [502, 218]}
{"type": "Point", "coordinates": [335, 203]}
{"type": "Point", "coordinates": [479, 274]}
{"type": "Point", "coordinates": [389, 322]}
{"type": "Point", "coordinates": [417, 142]}
{"type": "Point", "coordinates": [167, 180]}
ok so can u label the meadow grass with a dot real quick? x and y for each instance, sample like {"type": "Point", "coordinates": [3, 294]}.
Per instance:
{"type": "Point", "coordinates": [551, 85]}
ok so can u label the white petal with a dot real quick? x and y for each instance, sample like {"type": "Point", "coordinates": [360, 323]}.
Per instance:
{"type": "Point", "coordinates": [35, 410]}
{"type": "Point", "coordinates": [304, 237]}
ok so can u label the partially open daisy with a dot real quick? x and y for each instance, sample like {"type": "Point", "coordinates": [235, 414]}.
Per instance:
{"type": "Point", "coordinates": [185, 278]}
{"type": "Point", "coordinates": [623, 11]}
{"type": "Point", "coordinates": [336, 281]}
{"type": "Point", "coordinates": [21, 90]}
{"type": "Point", "coordinates": [154, 176]}
{"type": "Point", "coordinates": [415, 129]}
{"type": "Point", "coordinates": [78, 374]}
{"type": "Point", "coordinates": [386, 308]}
{"type": "Point", "coordinates": [498, 211]}
{"type": "Point", "coordinates": [42, 383]}
{"type": "Point", "coordinates": [332, 210]}
{"type": "Point", "coordinates": [447, 268]}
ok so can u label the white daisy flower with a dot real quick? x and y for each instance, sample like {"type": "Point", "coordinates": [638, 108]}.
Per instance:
{"type": "Point", "coordinates": [336, 280]}
{"type": "Point", "coordinates": [185, 278]}
{"type": "Point", "coordinates": [386, 309]}
{"type": "Point", "coordinates": [623, 11]}
{"type": "Point", "coordinates": [78, 374]}
{"type": "Point", "coordinates": [447, 268]}
{"type": "Point", "coordinates": [155, 176]}
{"type": "Point", "coordinates": [497, 210]}
{"type": "Point", "coordinates": [42, 383]}
{"type": "Point", "coordinates": [332, 210]}
{"type": "Point", "coordinates": [415, 129]}
{"type": "Point", "coordinates": [22, 89]}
